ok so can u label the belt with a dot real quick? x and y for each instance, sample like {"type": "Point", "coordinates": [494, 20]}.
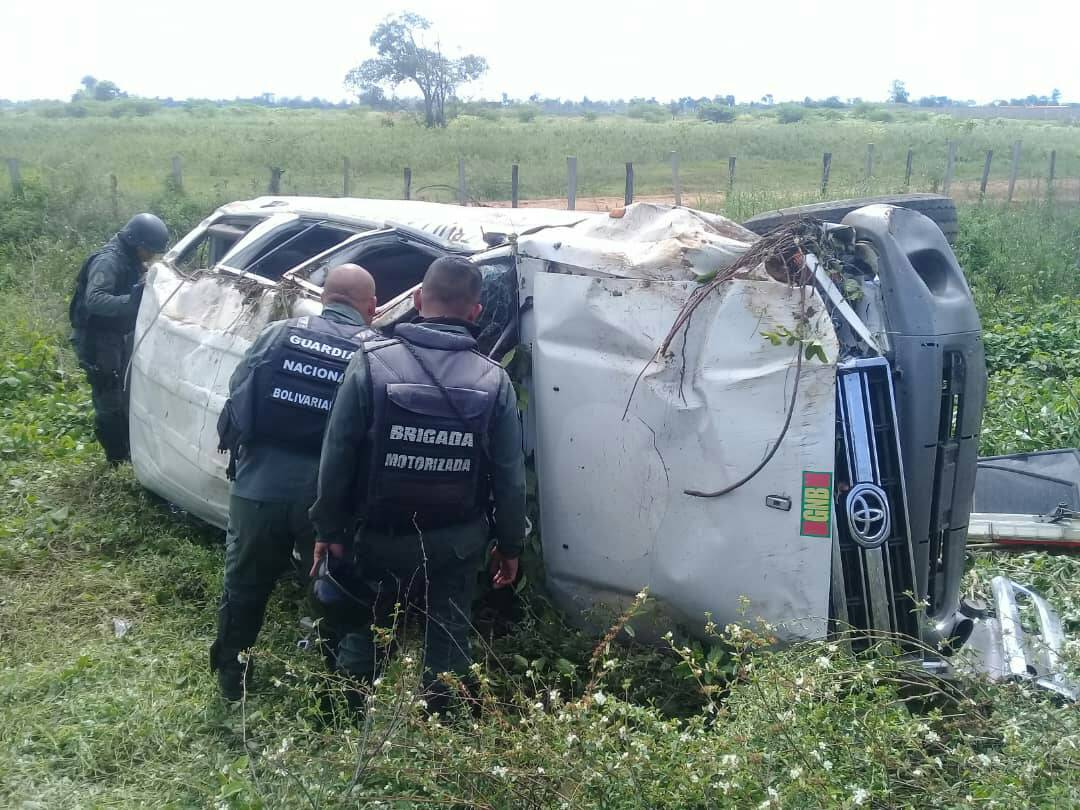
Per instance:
{"type": "Point", "coordinates": [424, 522]}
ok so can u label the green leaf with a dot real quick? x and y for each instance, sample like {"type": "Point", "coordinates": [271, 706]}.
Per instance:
{"type": "Point", "coordinates": [508, 358]}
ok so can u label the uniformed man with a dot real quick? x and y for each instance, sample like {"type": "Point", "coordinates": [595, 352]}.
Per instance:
{"type": "Point", "coordinates": [423, 435]}
{"type": "Point", "coordinates": [279, 398]}
{"type": "Point", "coordinates": [103, 309]}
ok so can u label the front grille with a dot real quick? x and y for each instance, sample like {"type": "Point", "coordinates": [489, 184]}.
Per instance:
{"type": "Point", "coordinates": [873, 567]}
{"type": "Point", "coordinates": [951, 431]}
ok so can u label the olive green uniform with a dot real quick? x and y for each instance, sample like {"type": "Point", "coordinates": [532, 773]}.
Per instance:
{"type": "Point", "coordinates": [274, 488]}
{"type": "Point", "coordinates": [440, 564]}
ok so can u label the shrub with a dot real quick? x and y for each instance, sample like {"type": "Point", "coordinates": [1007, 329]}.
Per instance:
{"type": "Point", "coordinates": [790, 114]}
{"type": "Point", "coordinates": [716, 113]}
{"type": "Point", "coordinates": [526, 115]}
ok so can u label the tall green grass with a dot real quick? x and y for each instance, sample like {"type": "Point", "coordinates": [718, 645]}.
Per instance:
{"type": "Point", "coordinates": [227, 155]}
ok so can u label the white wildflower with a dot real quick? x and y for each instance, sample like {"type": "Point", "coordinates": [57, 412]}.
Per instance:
{"type": "Point", "coordinates": [833, 648]}
{"type": "Point", "coordinates": [684, 737]}
{"type": "Point", "coordinates": [599, 698]}
{"type": "Point", "coordinates": [623, 733]}
{"type": "Point", "coordinates": [917, 772]}
{"type": "Point", "coordinates": [694, 778]}
{"type": "Point", "coordinates": [799, 681]}
{"type": "Point", "coordinates": [408, 660]}
{"type": "Point", "coordinates": [859, 796]}
{"type": "Point", "coordinates": [553, 696]}
{"type": "Point", "coordinates": [795, 772]}
{"type": "Point", "coordinates": [538, 706]}
{"type": "Point", "coordinates": [571, 739]}
{"type": "Point", "coordinates": [377, 683]}
{"type": "Point", "coordinates": [729, 761]}
{"type": "Point", "coordinates": [933, 737]}
{"type": "Point", "coordinates": [499, 772]}
{"type": "Point", "coordinates": [824, 662]}
{"type": "Point", "coordinates": [827, 765]}
{"type": "Point", "coordinates": [984, 760]}
{"type": "Point", "coordinates": [540, 771]}
{"type": "Point", "coordinates": [530, 674]}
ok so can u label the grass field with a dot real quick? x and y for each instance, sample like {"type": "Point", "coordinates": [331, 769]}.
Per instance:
{"type": "Point", "coordinates": [95, 713]}
{"type": "Point", "coordinates": [227, 156]}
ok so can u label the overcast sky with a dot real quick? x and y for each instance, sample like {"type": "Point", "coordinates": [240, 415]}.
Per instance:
{"type": "Point", "coordinates": [596, 48]}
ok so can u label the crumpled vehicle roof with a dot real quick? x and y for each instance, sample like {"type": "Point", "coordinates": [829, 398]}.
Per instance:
{"type": "Point", "coordinates": [463, 226]}
{"type": "Point", "coordinates": [644, 241]}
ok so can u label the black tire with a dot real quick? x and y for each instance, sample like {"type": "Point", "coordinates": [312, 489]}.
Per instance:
{"type": "Point", "coordinates": [938, 208]}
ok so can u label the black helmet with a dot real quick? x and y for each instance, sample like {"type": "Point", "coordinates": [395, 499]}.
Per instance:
{"type": "Point", "coordinates": [146, 231]}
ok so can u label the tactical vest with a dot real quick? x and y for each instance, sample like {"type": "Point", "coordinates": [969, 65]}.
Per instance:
{"type": "Point", "coordinates": [294, 388]}
{"type": "Point", "coordinates": [430, 427]}
{"type": "Point", "coordinates": [77, 314]}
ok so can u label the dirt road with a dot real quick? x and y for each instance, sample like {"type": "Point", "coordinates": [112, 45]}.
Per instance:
{"type": "Point", "coordinates": [1065, 191]}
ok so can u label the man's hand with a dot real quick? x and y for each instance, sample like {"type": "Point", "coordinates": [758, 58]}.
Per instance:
{"type": "Point", "coordinates": [503, 569]}
{"type": "Point", "coordinates": [336, 550]}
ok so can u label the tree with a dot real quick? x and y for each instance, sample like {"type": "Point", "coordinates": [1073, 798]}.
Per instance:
{"type": "Point", "coordinates": [107, 91]}
{"type": "Point", "coordinates": [97, 90]}
{"type": "Point", "coordinates": [898, 94]}
{"type": "Point", "coordinates": [402, 58]}
{"type": "Point", "coordinates": [767, 99]}
{"type": "Point", "coordinates": [1055, 97]}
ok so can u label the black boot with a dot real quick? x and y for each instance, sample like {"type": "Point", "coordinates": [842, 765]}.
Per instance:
{"type": "Point", "coordinates": [234, 677]}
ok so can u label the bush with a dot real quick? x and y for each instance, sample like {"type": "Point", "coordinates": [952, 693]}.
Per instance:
{"type": "Point", "coordinates": [644, 111]}
{"type": "Point", "coordinates": [526, 115]}
{"type": "Point", "coordinates": [790, 114]}
{"type": "Point", "coordinates": [716, 113]}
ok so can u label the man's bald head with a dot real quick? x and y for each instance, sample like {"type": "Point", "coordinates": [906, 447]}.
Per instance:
{"type": "Point", "coordinates": [451, 289]}
{"type": "Point", "coordinates": [351, 284]}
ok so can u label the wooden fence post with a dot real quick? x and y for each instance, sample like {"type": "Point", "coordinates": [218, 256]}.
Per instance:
{"type": "Point", "coordinates": [731, 173]}
{"type": "Point", "coordinates": [950, 165]}
{"type": "Point", "coordinates": [15, 175]}
{"type": "Point", "coordinates": [1050, 176]}
{"type": "Point", "coordinates": [571, 183]}
{"type": "Point", "coordinates": [986, 173]}
{"type": "Point", "coordinates": [346, 178]}
{"type": "Point", "coordinates": [275, 180]}
{"type": "Point", "coordinates": [177, 174]}
{"type": "Point", "coordinates": [407, 194]}
{"type": "Point", "coordinates": [628, 195]}
{"type": "Point", "coordinates": [114, 196]}
{"type": "Point", "coordinates": [869, 161]}
{"type": "Point", "coordinates": [907, 171]}
{"type": "Point", "coordinates": [826, 167]}
{"type": "Point", "coordinates": [514, 186]}
{"type": "Point", "coordinates": [461, 182]}
{"type": "Point", "coordinates": [676, 185]}
{"type": "Point", "coordinates": [1013, 170]}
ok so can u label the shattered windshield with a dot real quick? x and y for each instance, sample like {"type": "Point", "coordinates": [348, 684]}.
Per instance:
{"type": "Point", "coordinates": [499, 298]}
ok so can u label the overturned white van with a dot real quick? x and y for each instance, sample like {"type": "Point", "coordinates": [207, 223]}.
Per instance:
{"type": "Point", "coordinates": [789, 421]}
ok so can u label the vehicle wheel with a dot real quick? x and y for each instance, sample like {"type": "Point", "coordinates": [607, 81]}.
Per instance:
{"type": "Point", "coordinates": [938, 208]}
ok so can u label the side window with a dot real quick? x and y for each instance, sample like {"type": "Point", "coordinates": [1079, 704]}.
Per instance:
{"type": "Point", "coordinates": [396, 266]}
{"type": "Point", "coordinates": [218, 239]}
{"type": "Point", "coordinates": [287, 247]}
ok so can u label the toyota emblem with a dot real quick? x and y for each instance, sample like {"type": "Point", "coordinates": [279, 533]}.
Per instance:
{"type": "Point", "coordinates": [868, 515]}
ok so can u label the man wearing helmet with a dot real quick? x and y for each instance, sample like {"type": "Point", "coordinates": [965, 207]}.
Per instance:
{"type": "Point", "coordinates": [108, 290]}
